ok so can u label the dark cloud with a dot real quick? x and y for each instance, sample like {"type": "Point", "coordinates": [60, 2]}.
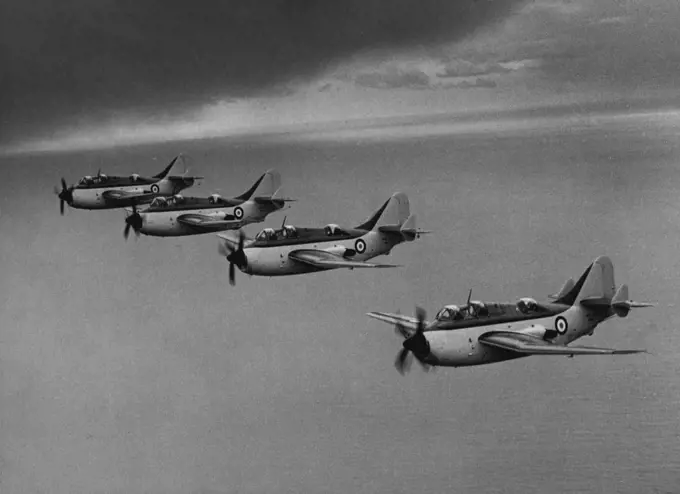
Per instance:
{"type": "Point", "coordinates": [76, 60]}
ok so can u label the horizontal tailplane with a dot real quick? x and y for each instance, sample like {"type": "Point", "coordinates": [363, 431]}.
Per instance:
{"type": "Point", "coordinates": [409, 231]}
{"type": "Point", "coordinates": [275, 198]}
{"type": "Point", "coordinates": [621, 305]}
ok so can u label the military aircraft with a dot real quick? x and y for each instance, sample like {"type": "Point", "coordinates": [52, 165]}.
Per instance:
{"type": "Point", "coordinates": [484, 332]}
{"type": "Point", "coordinates": [178, 216]}
{"type": "Point", "coordinates": [291, 250]}
{"type": "Point", "coordinates": [109, 192]}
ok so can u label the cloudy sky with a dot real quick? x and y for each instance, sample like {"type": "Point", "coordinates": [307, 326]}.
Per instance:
{"type": "Point", "coordinates": [86, 74]}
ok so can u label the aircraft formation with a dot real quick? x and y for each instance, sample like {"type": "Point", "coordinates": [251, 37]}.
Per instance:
{"type": "Point", "coordinates": [476, 333]}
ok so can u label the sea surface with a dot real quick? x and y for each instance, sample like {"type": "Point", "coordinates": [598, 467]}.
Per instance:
{"type": "Point", "coordinates": [133, 367]}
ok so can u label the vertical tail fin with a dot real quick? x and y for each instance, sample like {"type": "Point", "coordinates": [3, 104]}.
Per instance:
{"type": "Point", "coordinates": [595, 287]}
{"type": "Point", "coordinates": [394, 213]}
{"type": "Point", "coordinates": [167, 169]}
{"type": "Point", "coordinates": [265, 187]}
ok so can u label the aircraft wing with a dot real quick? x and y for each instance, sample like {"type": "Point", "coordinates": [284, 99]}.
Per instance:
{"type": "Point", "coordinates": [208, 224]}
{"type": "Point", "coordinates": [527, 344]}
{"type": "Point", "coordinates": [406, 321]}
{"type": "Point", "coordinates": [327, 260]}
{"type": "Point", "coordinates": [127, 198]}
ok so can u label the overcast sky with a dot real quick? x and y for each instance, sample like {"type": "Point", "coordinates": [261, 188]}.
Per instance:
{"type": "Point", "coordinates": [88, 74]}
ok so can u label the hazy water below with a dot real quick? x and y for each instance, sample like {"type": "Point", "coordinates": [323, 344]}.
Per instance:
{"type": "Point", "coordinates": [134, 367]}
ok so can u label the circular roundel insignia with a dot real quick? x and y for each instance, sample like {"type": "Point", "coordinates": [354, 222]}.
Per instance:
{"type": "Point", "coordinates": [360, 246]}
{"type": "Point", "coordinates": [238, 212]}
{"type": "Point", "coordinates": [561, 325]}
{"type": "Point", "coordinates": [154, 189]}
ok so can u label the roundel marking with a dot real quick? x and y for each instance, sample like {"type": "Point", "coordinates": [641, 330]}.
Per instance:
{"type": "Point", "coordinates": [360, 246]}
{"type": "Point", "coordinates": [238, 212]}
{"type": "Point", "coordinates": [561, 325]}
{"type": "Point", "coordinates": [154, 189]}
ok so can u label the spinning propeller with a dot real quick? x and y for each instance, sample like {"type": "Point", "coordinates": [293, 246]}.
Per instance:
{"type": "Point", "coordinates": [236, 257]}
{"type": "Point", "coordinates": [415, 345]}
{"type": "Point", "coordinates": [65, 195]}
{"type": "Point", "coordinates": [134, 220]}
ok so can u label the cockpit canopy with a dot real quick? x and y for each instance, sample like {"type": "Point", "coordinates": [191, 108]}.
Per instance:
{"type": "Point", "coordinates": [90, 180]}
{"type": "Point", "coordinates": [332, 230]}
{"type": "Point", "coordinates": [215, 198]}
{"type": "Point", "coordinates": [450, 313]}
{"type": "Point", "coordinates": [266, 234]}
{"type": "Point", "coordinates": [288, 231]}
{"type": "Point", "coordinates": [527, 305]}
{"type": "Point", "coordinates": [473, 310]}
{"type": "Point", "coordinates": [134, 177]}
{"type": "Point", "coordinates": [159, 202]}
{"type": "Point", "coordinates": [178, 198]}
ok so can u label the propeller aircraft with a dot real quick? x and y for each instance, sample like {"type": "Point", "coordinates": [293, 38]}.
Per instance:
{"type": "Point", "coordinates": [179, 216]}
{"type": "Point", "coordinates": [483, 332]}
{"type": "Point", "coordinates": [109, 192]}
{"type": "Point", "coordinates": [291, 250]}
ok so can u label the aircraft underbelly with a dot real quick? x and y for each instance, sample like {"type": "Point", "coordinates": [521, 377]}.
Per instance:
{"type": "Point", "coordinates": [88, 199]}
{"type": "Point", "coordinates": [461, 348]}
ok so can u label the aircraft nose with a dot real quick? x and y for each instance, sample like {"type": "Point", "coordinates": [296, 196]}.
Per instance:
{"type": "Point", "coordinates": [417, 344]}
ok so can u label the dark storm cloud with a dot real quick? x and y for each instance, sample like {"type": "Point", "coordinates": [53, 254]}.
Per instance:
{"type": "Point", "coordinates": [72, 61]}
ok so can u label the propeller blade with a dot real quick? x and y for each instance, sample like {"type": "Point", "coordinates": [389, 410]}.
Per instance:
{"type": "Point", "coordinates": [126, 231]}
{"type": "Point", "coordinates": [241, 239]}
{"type": "Point", "coordinates": [63, 183]}
{"type": "Point", "coordinates": [402, 363]}
{"type": "Point", "coordinates": [61, 206]}
{"type": "Point", "coordinates": [232, 274]}
{"type": "Point", "coordinates": [420, 315]}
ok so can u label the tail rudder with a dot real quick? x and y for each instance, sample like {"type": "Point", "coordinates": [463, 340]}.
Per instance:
{"type": "Point", "coordinates": [595, 288]}
{"type": "Point", "coordinates": [265, 187]}
{"type": "Point", "coordinates": [392, 215]}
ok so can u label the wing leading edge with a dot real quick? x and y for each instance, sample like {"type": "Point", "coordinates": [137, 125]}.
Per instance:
{"type": "Point", "coordinates": [406, 321]}
{"type": "Point", "coordinates": [531, 345]}
{"type": "Point", "coordinates": [327, 260]}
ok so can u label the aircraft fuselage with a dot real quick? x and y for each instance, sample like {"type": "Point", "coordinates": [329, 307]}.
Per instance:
{"type": "Point", "coordinates": [162, 223]}
{"type": "Point", "coordinates": [273, 260]}
{"type": "Point", "coordinates": [460, 347]}
{"type": "Point", "coordinates": [92, 196]}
